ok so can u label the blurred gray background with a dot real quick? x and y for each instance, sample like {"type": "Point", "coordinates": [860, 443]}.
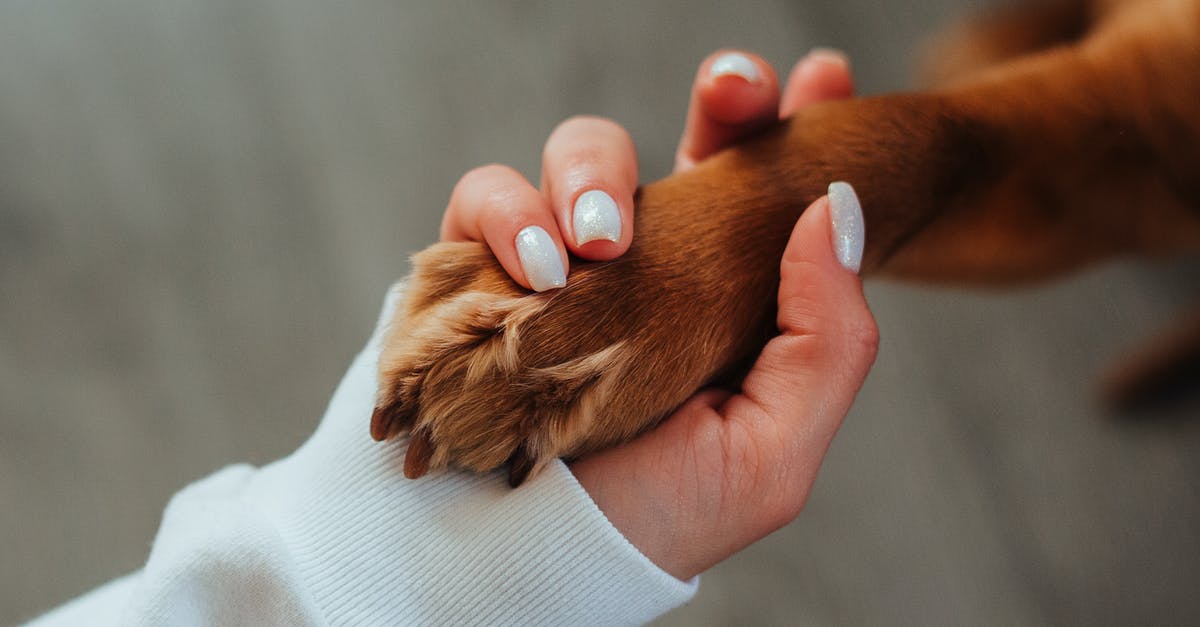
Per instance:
{"type": "Point", "coordinates": [201, 204]}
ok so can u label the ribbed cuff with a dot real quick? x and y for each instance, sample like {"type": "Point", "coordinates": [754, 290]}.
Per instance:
{"type": "Point", "coordinates": [451, 548]}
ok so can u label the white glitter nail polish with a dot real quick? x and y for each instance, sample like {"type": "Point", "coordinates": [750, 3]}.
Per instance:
{"type": "Point", "coordinates": [829, 55]}
{"type": "Point", "coordinates": [846, 218]}
{"type": "Point", "coordinates": [734, 63]}
{"type": "Point", "coordinates": [540, 259]}
{"type": "Point", "coordinates": [596, 216]}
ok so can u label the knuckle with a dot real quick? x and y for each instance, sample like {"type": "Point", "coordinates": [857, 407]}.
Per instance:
{"type": "Point", "coordinates": [864, 335]}
{"type": "Point", "coordinates": [593, 127]}
{"type": "Point", "coordinates": [581, 163]}
{"type": "Point", "coordinates": [565, 129]}
{"type": "Point", "coordinates": [493, 185]}
{"type": "Point", "coordinates": [859, 347]}
{"type": "Point", "coordinates": [615, 132]}
{"type": "Point", "coordinates": [486, 174]}
{"type": "Point", "coordinates": [589, 151]}
{"type": "Point", "coordinates": [591, 122]}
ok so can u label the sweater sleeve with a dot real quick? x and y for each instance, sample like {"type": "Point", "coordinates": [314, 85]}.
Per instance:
{"type": "Point", "coordinates": [334, 534]}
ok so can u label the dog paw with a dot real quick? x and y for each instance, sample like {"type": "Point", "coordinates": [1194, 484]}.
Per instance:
{"type": "Point", "coordinates": [484, 374]}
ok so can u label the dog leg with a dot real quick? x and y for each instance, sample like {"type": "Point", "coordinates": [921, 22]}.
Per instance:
{"type": "Point", "coordinates": [1003, 34]}
{"type": "Point", "coordinates": [1032, 170]}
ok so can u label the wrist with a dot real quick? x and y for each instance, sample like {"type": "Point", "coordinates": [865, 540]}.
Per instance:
{"type": "Point", "coordinates": [648, 520]}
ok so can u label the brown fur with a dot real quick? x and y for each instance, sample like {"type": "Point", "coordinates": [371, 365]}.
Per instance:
{"type": "Point", "coordinates": [1060, 136]}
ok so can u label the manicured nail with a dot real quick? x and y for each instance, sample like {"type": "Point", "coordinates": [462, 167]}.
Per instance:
{"type": "Point", "coordinates": [540, 260]}
{"type": "Point", "coordinates": [734, 63]}
{"type": "Point", "coordinates": [829, 55]}
{"type": "Point", "coordinates": [845, 215]}
{"type": "Point", "coordinates": [596, 217]}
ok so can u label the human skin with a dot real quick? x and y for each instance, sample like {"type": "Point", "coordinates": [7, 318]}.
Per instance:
{"type": "Point", "coordinates": [725, 469]}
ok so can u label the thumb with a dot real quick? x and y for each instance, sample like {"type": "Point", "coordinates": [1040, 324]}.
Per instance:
{"type": "Point", "coordinates": [806, 378]}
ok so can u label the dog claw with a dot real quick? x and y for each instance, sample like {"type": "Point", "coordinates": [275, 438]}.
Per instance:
{"type": "Point", "coordinates": [420, 452]}
{"type": "Point", "coordinates": [1161, 377]}
{"type": "Point", "coordinates": [381, 423]}
{"type": "Point", "coordinates": [480, 377]}
{"type": "Point", "coordinates": [519, 467]}
{"type": "Point", "coordinates": [389, 420]}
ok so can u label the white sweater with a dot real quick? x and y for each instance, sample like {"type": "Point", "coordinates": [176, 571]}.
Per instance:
{"type": "Point", "coordinates": [334, 534]}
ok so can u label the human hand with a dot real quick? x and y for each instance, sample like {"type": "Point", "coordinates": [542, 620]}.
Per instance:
{"type": "Point", "coordinates": [725, 470]}
{"type": "Point", "coordinates": [584, 201]}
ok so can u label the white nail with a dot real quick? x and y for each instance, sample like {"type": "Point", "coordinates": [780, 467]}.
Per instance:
{"type": "Point", "coordinates": [830, 55]}
{"type": "Point", "coordinates": [596, 217]}
{"type": "Point", "coordinates": [849, 232]}
{"type": "Point", "coordinates": [540, 259]}
{"type": "Point", "coordinates": [734, 63]}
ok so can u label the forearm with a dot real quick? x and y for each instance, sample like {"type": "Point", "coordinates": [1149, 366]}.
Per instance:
{"type": "Point", "coordinates": [334, 534]}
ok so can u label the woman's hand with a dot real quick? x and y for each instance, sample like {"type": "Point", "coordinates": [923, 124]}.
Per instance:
{"type": "Point", "coordinates": [724, 470]}
{"type": "Point", "coordinates": [584, 202]}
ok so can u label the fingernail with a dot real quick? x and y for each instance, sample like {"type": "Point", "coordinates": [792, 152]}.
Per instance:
{"type": "Point", "coordinates": [734, 63]}
{"type": "Point", "coordinates": [846, 218]}
{"type": "Point", "coordinates": [829, 55]}
{"type": "Point", "coordinates": [596, 217]}
{"type": "Point", "coordinates": [540, 259]}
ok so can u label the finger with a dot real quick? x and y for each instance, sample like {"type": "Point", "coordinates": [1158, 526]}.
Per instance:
{"type": "Point", "coordinates": [734, 94]}
{"type": "Point", "coordinates": [823, 74]}
{"type": "Point", "coordinates": [735, 474]}
{"type": "Point", "coordinates": [805, 379]}
{"type": "Point", "coordinates": [589, 176]}
{"type": "Point", "coordinates": [496, 205]}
